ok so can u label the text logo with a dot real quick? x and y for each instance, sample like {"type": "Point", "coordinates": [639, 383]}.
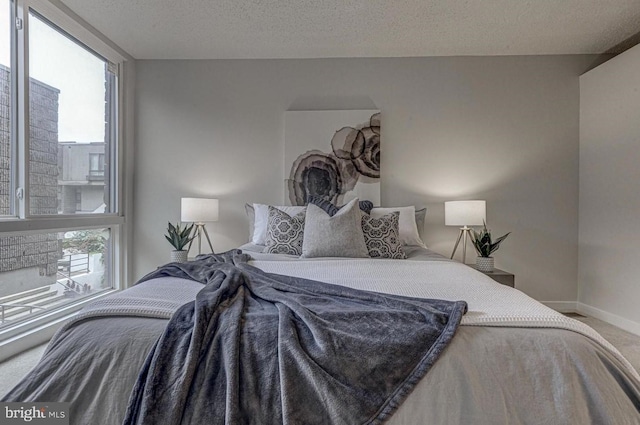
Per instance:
{"type": "Point", "coordinates": [34, 413]}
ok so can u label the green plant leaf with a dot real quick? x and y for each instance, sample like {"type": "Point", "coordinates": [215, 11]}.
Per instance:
{"type": "Point", "coordinates": [179, 235]}
{"type": "Point", "coordinates": [483, 243]}
{"type": "Point", "coordinates": [501, 238]}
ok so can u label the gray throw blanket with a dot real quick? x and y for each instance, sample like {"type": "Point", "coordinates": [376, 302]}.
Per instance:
{"type": "Point", "coordinates": [260, 348]}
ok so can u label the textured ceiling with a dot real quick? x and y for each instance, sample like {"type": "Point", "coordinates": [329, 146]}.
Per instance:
{"type": "Point", "coordinates": [211, 29]}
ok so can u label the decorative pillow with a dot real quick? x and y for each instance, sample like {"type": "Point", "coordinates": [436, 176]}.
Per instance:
{"type": "Point", "coordinates": [284, 233]}
{"type": "Point", "coordinates": [329, 208]}
{"type": "Point", "coordinates": [420, 216]}
{"type": "Point", "coordinates": [261, 212]}
{"type": "Point", "coordinates": [381, 236]}
{"type": "Point", "coordinates": [408, 228]}
{"type": "Point", "coordinates": [337, 236]}
{"type": "Point", "coordinates": [251, 216]}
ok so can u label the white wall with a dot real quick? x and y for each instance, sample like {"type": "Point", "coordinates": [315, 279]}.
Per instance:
{"type": "Point", "coordinates": [609, 242]}
{"type": "Point", "coordinates": [504, 129]}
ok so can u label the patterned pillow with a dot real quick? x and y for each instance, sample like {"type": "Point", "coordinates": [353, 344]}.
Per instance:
{"type": "Point", "coordinates": [284, 233]}
{"type": "Point", "coordinates": [261, 220]}
{"type": "Point", "coordinates": [408, 227]}
{"type": "Point", "coordinates": [329, 208]}
{"type": "Point", "coordinates": [382, 236]}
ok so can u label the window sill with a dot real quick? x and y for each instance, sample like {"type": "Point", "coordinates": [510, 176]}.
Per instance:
{"type": "Point", "coordinates": [31, 333]}
{"type": "Point", "coordinates": [58, 224]}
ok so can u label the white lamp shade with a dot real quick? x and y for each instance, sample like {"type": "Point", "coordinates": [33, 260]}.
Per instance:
{"type": "Point", "coordinates": [465, 213]}
{"type": "Point", "coordinates": [199, 210]}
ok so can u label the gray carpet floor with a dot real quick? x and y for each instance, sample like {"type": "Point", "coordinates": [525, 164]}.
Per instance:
{"type": "Point", "coordinates": [627, 343]}
{"type": "Point", "coordinates": [13, 369]}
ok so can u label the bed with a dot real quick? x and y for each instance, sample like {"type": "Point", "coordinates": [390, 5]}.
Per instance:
{"type": "Point", "coordinates": [512, 360]}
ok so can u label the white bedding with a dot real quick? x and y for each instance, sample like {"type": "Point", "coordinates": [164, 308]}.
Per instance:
{"type": "Point", "coordinates": [490, 303]}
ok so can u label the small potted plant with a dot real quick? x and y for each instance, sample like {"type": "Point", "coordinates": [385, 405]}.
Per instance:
{"type": "Point", "coordinates": [179, 237]}
{"type": "Point", "coordinates": [485, 246]}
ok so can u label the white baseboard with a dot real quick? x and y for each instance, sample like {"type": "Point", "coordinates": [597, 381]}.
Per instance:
{"type": "Point", "coordinates": [562, 306]}
{"type": "Point", "coordinates": [587, 310]}
{"type": "Point", "coordinates": [613, 319]}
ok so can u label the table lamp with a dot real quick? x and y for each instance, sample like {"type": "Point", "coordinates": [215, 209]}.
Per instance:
{"type": "Point", "coordinates": [465, 214]}
{"type": "Point", "coordinates": [199, 211]}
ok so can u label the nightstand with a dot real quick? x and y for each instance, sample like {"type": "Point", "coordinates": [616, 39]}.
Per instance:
{"type": "Point", "coordinates": [499, 276]}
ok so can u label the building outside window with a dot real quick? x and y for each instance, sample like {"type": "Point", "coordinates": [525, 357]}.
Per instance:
{"type": "Point", "coordinates": [81, 178]}
{"type": "Point", "coordinates": [58, 158]}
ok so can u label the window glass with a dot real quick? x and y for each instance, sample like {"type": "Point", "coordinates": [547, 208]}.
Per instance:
{"type": "Point", "coordinates": [6, 91]}
{"type": "Point", "coordinates": [44, 271]}
{"type": "Point", "coordinates": [71, 121]}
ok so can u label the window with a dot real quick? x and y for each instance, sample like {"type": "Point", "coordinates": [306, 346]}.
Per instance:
{"type": "Point", "coordinates": [43, 271]}
{"type": "Point", "coordinates": [70, 102]}
{"type": "Point", "coordinates": [78, 200]}
{"type": "Point", "coordinates": [96, 165]}
{"type": "Point", "coordinates": [6, 115]}
{"type": "Point", "coordinates": [60, 223]}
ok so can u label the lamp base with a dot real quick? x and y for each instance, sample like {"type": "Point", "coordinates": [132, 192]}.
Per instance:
{"type": "Point", "coordinates": [465, 233]}
{"type": "Point", "coordinates": [197, 233]}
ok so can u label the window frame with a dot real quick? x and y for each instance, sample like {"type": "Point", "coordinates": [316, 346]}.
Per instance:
{"type": "Point", "coordinates": [113, 148]}
{"type": "Point", "coordinates": [13, 205]}
{"type": "Point", "coordinates": [22, 222]}
{"type": "Point", "coordinates": [20, 96]}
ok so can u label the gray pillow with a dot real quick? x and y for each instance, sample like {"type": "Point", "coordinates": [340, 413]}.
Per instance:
{"type": "Point", "coordinates": [337, 236]}
{"type": "Point", "coordinates": [251, 216]}
{"type": "Point", "coordinates": [382, 236]}
{"type": "Point", "coordinates": [284, 233]}
{"type": "Point", "coordinates": [420, 216]}
{"type": "Point", "coordinates": [329, 208]}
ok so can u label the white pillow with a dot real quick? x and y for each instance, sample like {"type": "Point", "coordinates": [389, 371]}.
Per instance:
{"type": "Point", "coordinates": [262, 219]}
{"type": "Point", "coordinates": [408, 229]}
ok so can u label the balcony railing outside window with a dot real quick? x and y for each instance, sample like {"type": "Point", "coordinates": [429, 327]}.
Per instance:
{"type": "Point", "coordinates": [45, 271]}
